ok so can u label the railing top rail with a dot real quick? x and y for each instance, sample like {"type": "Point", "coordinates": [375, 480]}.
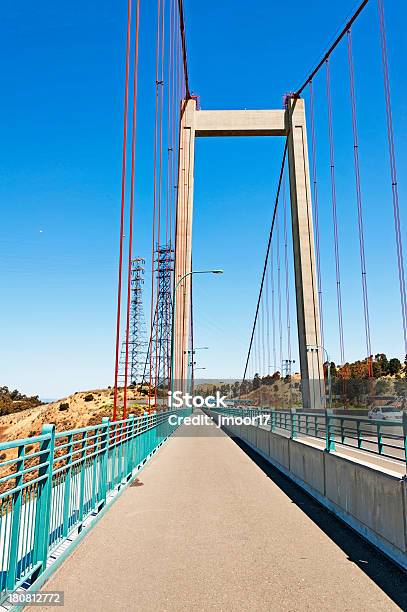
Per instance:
{"type": "Point", "coordinates": [355, 419]}
{"type": "Point", "coordinates": [316, 415]}
{"type": "Point", "coordinates": [23, 442]}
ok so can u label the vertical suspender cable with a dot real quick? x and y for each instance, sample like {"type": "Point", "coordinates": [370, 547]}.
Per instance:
{"type": "Point", "coordinates": [280, 318]}
{"type": "Point", "coordinates": [160, 83]}
{"type": "Point", "coordinates": [273, 311]}
{"type": "Point", "coordinates": [268, 325]}
{"type": "Point", "coordinates": [123, 195]}
{"type": "Point", "coordinates": [154, 298]}
{"type": "Point", "coordinates": [133, 154]}
{"type": "Point", "coordinates": [359, 203]}
{"type": "Point", "coordinates": [393, 171]}
{"type": "Point", "coordinates": [287, 284]}
{"type": "Point", "coordinates": [273, 221]}
{"type": "Point", "coordinates": [334, 211]}
{"type": "Point", "coordinates": [316, 206]}
{"type": "Point", "coordinates": [263, 324]}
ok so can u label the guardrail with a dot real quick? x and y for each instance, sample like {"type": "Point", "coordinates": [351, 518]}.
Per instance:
{"type": "Point", "coordinates": [49, 485]}
{"type": "Point", "coordinates": [382, 437]}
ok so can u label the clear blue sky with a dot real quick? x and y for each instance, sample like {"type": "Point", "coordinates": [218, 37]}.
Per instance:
{"type": "Point", "coordinates": [61, 67]}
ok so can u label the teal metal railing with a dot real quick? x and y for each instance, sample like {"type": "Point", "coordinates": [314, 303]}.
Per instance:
{"type": "Point", "coordinates": [382, 437]}
{"type": "Point", "coordinates": [49, 485]}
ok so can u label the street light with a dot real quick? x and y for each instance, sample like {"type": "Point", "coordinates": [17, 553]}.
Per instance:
{"type": "Point", "coordinates": [315, 348]}
{"type": "Point", "coordinates": [196, 348]}
{"type": "Point", "coordinates": [174, 313]}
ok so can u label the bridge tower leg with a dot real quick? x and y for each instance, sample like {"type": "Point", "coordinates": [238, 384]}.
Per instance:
{"type": "Point", "coordinates": [183, 243]}
{"type": "Point", "coordinates": [306, 288]}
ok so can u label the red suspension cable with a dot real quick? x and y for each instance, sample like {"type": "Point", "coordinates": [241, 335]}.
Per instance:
{"type": "Point", "coordinates": [154, 298]}
{"type": "Point", "coordinates": [184, 47]}
{"type": "Point", "coordinates": [160, 83]}
{"type": "Point", "coordinates": [124, 158]}
{"type": "Point", "coordinates": [133, 154]}
{"type": "Point", "coordinates": [336, 42]}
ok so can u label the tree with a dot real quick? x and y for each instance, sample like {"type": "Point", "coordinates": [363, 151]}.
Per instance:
{"type": "Point", "coordinates": [394, 366]}
{"type": "Point", "coordinates": [382, 360]}
{"type": "Point", "coordinates": [383, 386]}
{"type": "Point", "coordinates": [400, 387]}
{"type": "Point", "coordinates": [377, 369]}
{"type": "Point", "coordinates": [256, 381]}
{"type": "Point", "coordinates": [344, 371]}
{"type": "Point", "coordinates": [359, 369]}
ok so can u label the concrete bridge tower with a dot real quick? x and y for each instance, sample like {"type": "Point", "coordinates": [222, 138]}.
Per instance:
{"type": "Point", "coordinates": [290, 123]}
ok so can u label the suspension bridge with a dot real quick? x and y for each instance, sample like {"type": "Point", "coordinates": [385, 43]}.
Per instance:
{"type": "Point", "coordinates": [265, 504]}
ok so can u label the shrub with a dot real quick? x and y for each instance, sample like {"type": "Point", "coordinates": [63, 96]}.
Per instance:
{"type": "Point", "coordinates": [63, 406]}
{"type": "Point", "coordinates": [88, 398]}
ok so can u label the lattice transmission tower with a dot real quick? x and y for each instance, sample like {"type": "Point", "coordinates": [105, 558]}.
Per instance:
{"type": "Point", "coordinates": [161, 336]}
{"type": "Point", "coordinates": [138, 344]}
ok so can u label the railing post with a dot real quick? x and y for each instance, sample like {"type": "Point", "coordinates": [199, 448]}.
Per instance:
{"type": "Point", "coordinates": [294, 419]}
{"type": "Point", "coordinates": [121, 454]}
{"type": "Point", "coordinates": [273, 420]}
{"type": "Point", "coordinates": [104, 460]}
{"type": "Point", "coordinates": [360, 444]}
{"type": "Point", "coordinates": [82, 479]}
{"type": "Point", "coordinates": [379, 439]}
{"type": "Point", "coordinates": [67, 488]}
{"type": "Point", "coordinates": [43, 506]}
{"type": "Point", "coordinates": [149, 434]}
{"type": "Point", "coordinates": [95, 459]}
{"type": "Point", "coordinates": [15, 527]}
{"type": "Point", "coordinates": [405, 434]}
{"type": "Point", "coordinates": [129, 445]}
{"type": "Point", "coordinates": [137, 441]}
{"type": "Point", "coordinates": [329, 440]}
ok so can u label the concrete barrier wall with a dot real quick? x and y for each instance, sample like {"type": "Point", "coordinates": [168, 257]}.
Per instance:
{"type": "Point", "coordinates": [279, 450]}
{"type": "Point", "coordinates": [374, 498]}
{"type": "Point", "coordinates": [307, 463]}
{"type": "Point", "coordinates": [372, 502]}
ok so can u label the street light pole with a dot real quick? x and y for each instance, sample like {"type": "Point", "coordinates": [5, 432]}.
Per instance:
{"type": "Point", "coordinates": [316, 347]}
{"type": "Point", "coordinates": [174, 314]}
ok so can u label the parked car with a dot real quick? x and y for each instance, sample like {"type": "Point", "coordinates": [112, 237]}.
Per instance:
{"type": "Point", "coordinates": [386, 413]}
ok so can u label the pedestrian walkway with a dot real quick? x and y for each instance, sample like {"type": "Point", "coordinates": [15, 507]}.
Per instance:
{"type": "Point", "coordinates": [209, 528]}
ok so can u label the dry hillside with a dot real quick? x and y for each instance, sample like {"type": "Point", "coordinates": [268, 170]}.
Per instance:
{"type": "Point", "coordinates": [280, 394]}
{"type": "Point", "coordinates": [77, 410]}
